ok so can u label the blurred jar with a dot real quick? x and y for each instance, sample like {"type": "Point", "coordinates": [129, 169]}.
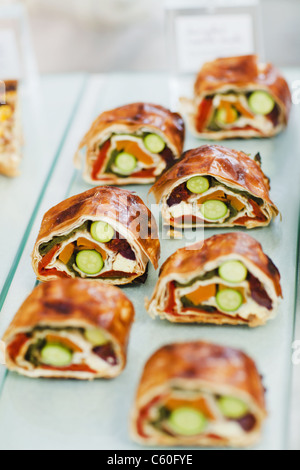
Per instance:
{"type": "Point", "coordinates": [105, 12]}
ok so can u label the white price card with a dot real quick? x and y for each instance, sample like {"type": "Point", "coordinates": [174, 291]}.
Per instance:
{"type": "Point", "coordinates": [202, 38]}
{"type": "Point", "coordinates": [10, 64]}
{"type": "Point", "coordinates": [199, 31]}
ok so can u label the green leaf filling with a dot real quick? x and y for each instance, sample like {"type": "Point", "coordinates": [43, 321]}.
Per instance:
{"type": "Point", "coordinates": [45, 248]}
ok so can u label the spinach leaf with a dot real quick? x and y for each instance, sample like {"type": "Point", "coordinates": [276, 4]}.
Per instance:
{"type": "Point", "coordinates": [46, 247]}
{"type": "Point", "coordinates": [205, 277]}
{"type": "Point", "coordinates": [34, 352]}
{"type": "Point", "coordinates": [164, 414]}
{"type": "Point", "coordinates": [188, 304]}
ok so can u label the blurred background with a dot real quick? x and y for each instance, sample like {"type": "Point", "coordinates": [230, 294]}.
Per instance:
{"type": "Point", "coordinates": [118, 35]}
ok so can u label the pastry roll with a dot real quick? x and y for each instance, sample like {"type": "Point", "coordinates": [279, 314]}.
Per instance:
{"type": "Point", "coordinates": [10, 130]}
{"type": "Point", "coordinates": [214, 186]}
{"type": "Point", "coordinates": [227, 279]}
{"type": "Point", "coordinates": [199, 394]}
{"type": "Point", "coordinates": [133, 144]}
{"type": "Point", "coordinates": [70, 328]}
{"type": "Point", "coordinates": [105, 233]}
{"type": "Point", "coordinates": [238, 97]}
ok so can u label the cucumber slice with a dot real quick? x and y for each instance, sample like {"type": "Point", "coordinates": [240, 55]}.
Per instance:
{"type": "Point", "coordinates": [89, 261]}
{"type": "Point", "coordinates": [95, 337]}
{"type": "Point", "coordinates": [229, 300]}
{"type": "Point", "coordinates": [102, 232]}
{"type": "Point", "coordinates": [232, 408]}
{"type": "Point", "coordinates": [198, 184]}
{"type": "Point", "coordinates": [56, 355]}
{"type": "Point", "coordinates": [260, 102]}
{"type": "Point", "coordinates": [187, 421]}
{"type": "Point", "coordinates": [221, 116]}
{"type": "Point", "coordinates": [154, 143]}
{"type": "Point", "coordinates": [214, 210]}
{"type": "Point", "coordinates": [125, 163]}
{"type": "Point", "coordinates": [233, 271]}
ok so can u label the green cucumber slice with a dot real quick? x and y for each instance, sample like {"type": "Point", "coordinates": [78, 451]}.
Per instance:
{"type": "Point", "coordinates": [56, 355]}
{"type": "Point", "coordinates": [154, 143]}
{"type": "Point", "coordinates": [261, 102]}
{"type": "Point", "coordinates": [214, 210]}
{"type": "Point", "coordinates": [198, 184]}
{"type": "Point", "coordinates": [125, 163]}
{"type": "Point", "coordinates": [229, 300]}
{"type": "Point", "coordinates": [233, 271]}
{"type": "Point", "coordinates": [95, 337]}
{"type": "Point", "coordinates": [221, 116]}
{"type": "Point", "coordinates": [232, 408]}
{"type": "Point", "coordinates": [102, 232]}
{"type": "Point", "coordinates": [187, 421]}
{"type": "Point", "coordinates": [89, 261]}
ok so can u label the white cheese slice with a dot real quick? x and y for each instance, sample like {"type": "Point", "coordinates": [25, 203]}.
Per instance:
{"type": "Point", "coordinates": [124, 265]}
{"type": "Point", "coordinates": [226, 429]}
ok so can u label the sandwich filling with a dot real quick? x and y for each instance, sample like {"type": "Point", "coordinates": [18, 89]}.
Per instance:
{"type": "Point", "coordinates": [186, 414]}
{"type": "Point", "coordinates": [95, 250]}
{"type": "Point", "coordinates": [143, 155]}
{"type": "Point", "coordinates": [229, 291]}
{"type": "Point", "coordinates": [206, 200]}
{"type": "Point", "coordinates": [53, 351]}
{"type": "Point", "coordinates": [230, 111]}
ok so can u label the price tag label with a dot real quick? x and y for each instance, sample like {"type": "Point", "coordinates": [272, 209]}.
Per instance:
{"type": "Point", "coordinates": [203, 38]}
{"type": "Point", "coordinates": [10, 64]}
{"type": "Point", "coordinates": [200, 32]}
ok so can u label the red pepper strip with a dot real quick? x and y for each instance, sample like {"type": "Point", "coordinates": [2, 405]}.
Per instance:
{"type": "Point", "coordinates": [101, 158]}
{"type": "Point", "coordinates": [257, 211]}
{"type": "Point", "coordinates": [47, 258]}
{"type": "Point", "coordinates": [14, 348]}
{"type": "Point", "coordinates": [203, 113]}
{"type": "Point", "coordinates": [55, 272]}
{"type": "Point", "coordinates": [144, 412]}
{"type": "Point", "coordinates": [170, 308]}
{"type": "Point", "coordinates": [214, 436]}
{"type": "Point", "coordinates": [260, 217]}
{"type": "Point", "coordinates": [246, 128]}
{"type": "Point", "coordinates": [144, 174]}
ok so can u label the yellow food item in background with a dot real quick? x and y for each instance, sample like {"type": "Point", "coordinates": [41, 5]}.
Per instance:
{"type": "Point", "coordinates": [5, 113]}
